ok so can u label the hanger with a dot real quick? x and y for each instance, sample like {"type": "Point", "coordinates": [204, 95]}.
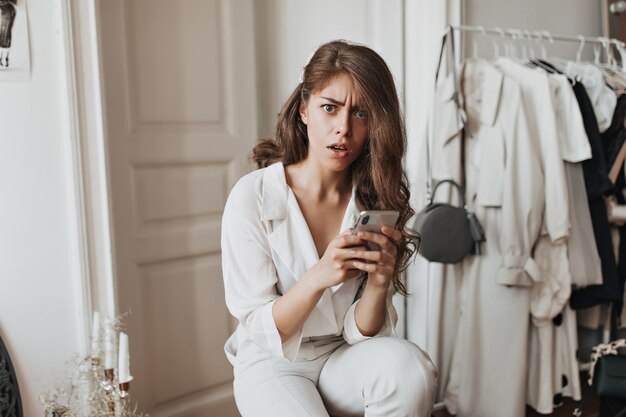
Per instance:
{"type": "Point", "coordinates": [496, 50]}
{"type": "Point", "coordinates": [556, 62]}
{"type": "Point", "coordinates": [522, 42]}
{"type": "Point", "coordinates": [544, 52]}
{"type": "Point", "coordinates": [474, 48]}
{"type": "Point", "coordinates": [548, 36]}
{"type": "Point", "coordinates": [580, 48]}
{"type": "Point", "coordinates": [622, 53]}
{"type": "Point", "coordinates": [513, 33]}
{"type": "Point", "coordinates": [530, 43]}
{"type": "Point", "coordinates": [612, 74]}
{"type": "Point", "coordinates": [504, 40]}
{"type": "Point", "coordinates": [543, 62]}
{"type": "Point", "coordinates": [596, 54]}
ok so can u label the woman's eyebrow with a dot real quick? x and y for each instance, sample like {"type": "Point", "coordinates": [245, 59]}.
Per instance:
{"type": "Point", "coordinates": [332, 100]}
{"type": "Point", "coordinates": [341, 103]}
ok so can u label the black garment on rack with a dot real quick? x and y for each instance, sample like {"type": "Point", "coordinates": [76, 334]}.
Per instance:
{"type": "Point", "coordinates": [615, 135]}
{"type": "Point", "coordinates": [598, 186]}
{"type": "Point", "coordinates": [613, 140]}
{"type": "Point", "coordinates": [618, 305]}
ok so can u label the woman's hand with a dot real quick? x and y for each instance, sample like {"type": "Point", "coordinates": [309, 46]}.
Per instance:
{"type": "Point", "coordinates": [336, 265]}
{"type": "Point", "coordinates": [382, 263]}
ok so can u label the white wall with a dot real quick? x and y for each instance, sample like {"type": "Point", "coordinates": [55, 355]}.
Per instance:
{"type": "Point", "coordinates": [39, 300]}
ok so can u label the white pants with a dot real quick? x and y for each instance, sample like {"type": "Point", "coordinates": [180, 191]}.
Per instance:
{"type": "Point", "coordinates": [382, 376]}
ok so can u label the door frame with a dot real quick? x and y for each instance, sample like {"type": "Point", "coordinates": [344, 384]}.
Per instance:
{"type": "Point", "coordinates": [95, 286]}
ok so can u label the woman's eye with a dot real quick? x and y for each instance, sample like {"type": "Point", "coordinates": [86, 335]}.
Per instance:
{"type": "Point", "coordinates": [328, 108]}
{"type": "Point", "coordinates": [360, 114]}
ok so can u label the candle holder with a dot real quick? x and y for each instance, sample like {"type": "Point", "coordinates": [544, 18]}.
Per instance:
{"type": "Point", "coordinates": [84, 388]}
{"type": "Point", "coordinates": [124, 387]}
{"type": "Point", "coordinates": [107, 382]}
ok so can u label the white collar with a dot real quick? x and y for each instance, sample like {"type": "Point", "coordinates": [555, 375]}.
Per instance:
{"type": "Point", "coordinates": [275, 197]}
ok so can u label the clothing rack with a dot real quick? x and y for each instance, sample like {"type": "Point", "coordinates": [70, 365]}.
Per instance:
{"type": "Point", "coordinates": [539, 35]}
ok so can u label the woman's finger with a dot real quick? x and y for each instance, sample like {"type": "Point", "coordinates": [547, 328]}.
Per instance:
{"type": "Point", "coordinates": [379, 257]}
{"type": "Point", "coordinates": [345, 240]}
{"type": "Point", "coordinates": [350, 253]}
{"type": "Point", "coordinates": [380, 240]}
{"type": "Point", "coordinates": [394, 234]}
{"type": "Point", "coordinates": [372, 268]}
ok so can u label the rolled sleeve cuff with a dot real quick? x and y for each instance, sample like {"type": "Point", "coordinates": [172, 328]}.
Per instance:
{"type": "Point", "coordinates": [518, 271]}
{"type": "Point", "coordinates": [351, 332]}
{"type": "Point", "coordinates": [287, 350]}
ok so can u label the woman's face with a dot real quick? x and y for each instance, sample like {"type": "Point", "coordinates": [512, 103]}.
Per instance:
{"type": "Point", "coordinates": [336, 125]}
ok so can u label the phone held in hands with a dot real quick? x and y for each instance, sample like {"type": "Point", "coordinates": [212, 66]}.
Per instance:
{"type": "Point", "coordinates": [372, 221]}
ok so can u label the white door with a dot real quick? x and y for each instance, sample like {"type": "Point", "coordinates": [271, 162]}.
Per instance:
{"type": "Point", "coordinates": [180, 103]}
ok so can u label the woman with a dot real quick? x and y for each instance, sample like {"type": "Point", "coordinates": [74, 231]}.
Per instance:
{"type": "Point", "coordinates": [316, 322]}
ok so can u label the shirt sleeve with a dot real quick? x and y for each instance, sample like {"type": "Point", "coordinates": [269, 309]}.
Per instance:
{"type": "Point", "coordinates": [556, 209]}
{"type": "Point", "coordinates": [523, 198]}
{"type": "Point", "coordinates": [249, 273]}
{"type": "Point", "coordinates": [573, 137]}
{"type": "Point", "coordinates": [351, 332]}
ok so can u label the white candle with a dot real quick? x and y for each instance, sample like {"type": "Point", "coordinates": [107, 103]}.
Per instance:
{"type": "Point", "coordinates": [109, 344]}
{"type": "Point", "coordinates": [95, 334]}
{"type": "Point", "coordinates": [124, 360]}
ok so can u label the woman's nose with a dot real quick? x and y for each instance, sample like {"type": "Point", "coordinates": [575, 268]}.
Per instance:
{"type": "Point", "coordinates": [344, 127]}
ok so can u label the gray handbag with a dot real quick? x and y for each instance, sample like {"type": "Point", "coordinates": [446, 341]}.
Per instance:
{"type": "Point", "coordinates": [448, 233]}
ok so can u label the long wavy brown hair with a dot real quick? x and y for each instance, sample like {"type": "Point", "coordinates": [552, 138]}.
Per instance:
{"type": "Point", "coordinates": [381, 183]}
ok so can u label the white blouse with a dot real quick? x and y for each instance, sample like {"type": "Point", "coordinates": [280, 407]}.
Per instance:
{"type": "Point", "coordinates": [266, 248]}
{"type": "Point", "coordinates": [603, 99]}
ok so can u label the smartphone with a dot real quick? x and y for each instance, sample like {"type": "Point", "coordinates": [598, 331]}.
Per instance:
{"type": "Point", "coordinates": [373, 221]}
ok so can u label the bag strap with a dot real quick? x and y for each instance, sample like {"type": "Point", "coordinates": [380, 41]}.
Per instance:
{"type": "Point", "coordinates": [430, 128]}
{"type": "Point", "coordinates": [449, 37]}
{"type": "Point", "coordinates": [601, 350]}
{"type": "Point", "coordinates": [457, 102]}
{"type": "Point", "coordinates": [458, 187]}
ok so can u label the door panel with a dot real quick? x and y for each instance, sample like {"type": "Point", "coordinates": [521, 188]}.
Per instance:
{"type": "Point", "coordinates": [180, 102]}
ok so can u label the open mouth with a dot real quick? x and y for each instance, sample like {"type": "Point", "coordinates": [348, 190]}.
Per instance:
{"type": "Point", "coordinates": [338, 148]}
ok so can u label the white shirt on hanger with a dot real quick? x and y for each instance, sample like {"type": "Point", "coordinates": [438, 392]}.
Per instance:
{"type": "Point", "coordinates": [603, 99]}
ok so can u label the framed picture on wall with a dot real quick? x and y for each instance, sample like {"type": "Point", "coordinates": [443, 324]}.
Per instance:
{"type": "Point", "coordinates": [14, 41]}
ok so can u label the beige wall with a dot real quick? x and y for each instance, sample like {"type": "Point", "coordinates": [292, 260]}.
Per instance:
{"type": "Point", "coordinates": [567, 17]}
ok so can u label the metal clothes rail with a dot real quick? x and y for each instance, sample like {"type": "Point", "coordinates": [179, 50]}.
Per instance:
{"type": "Point", "coordinates": [538, 35]}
